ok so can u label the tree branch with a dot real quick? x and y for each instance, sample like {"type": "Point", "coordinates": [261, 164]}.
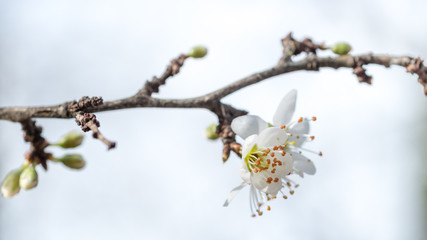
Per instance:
{"type": "Point", "coordinates": [84, 109]}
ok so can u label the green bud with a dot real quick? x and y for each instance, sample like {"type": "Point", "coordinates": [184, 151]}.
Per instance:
{"type": "Point", "coordinates": [211, 132]}
{"type": "Point", "coordinates": [10, 185]}
{"type": "Point", "coordinates": [198, 52]}
{"type": "Point", "coordinates": [71, 140]}
{"type": "Point", "coordinates": [74, 161]}
{"type": "Point", "coordinates": [341, 48]}
{"type": "Point", "coordinates": [29, 178]}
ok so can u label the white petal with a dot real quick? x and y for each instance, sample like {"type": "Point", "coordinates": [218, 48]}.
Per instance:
{"type": "Point", "coordinates": [233, 194]}
{"type": "Point", "coordinates": [303, 164]}
{"type": "Point", "coordinates": [286, 109]}
{"type": "Point", "coordinates": [248, 145]}
{"type": "Point", "coordinates": [298, 130]}
{"type": "Point", "coordinates": [259, 181]}
{"type": "Point", "coordinates": [271, 137]}
{"type": "Point", "coordinates": [247, 125]}
{"type": "Point", "coordinates": [287, 165]}
{"type": "Point", "coordinates": [300, 173]}
{"type": "Point", "coordinates": [244, 173]}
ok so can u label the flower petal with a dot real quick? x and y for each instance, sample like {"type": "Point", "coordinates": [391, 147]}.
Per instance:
{"type": "Point", "coordinates": [259, 181]}
{"type": "Point", "coordinates": [303, 164]}
{"type": "Point", "coordinates": [286, 109]}
{"type": "Point", "coordinates": [248, 145]}
{"type": "Point", "coordinates": [271, 137]}
{"type": "Point", "coordinates": [298, 130]}
{"type": "Point", "coordinates": [233, 194]}
{"type": "Point", "coordinates": [247, 125]}
{"type": "Point", "coordinates": [287, 165]}
{"type": "Point", "coordinates": [245, 174]}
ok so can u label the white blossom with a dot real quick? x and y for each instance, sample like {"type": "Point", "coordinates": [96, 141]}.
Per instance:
{"type": "Point", "coordinates": [272, 152]}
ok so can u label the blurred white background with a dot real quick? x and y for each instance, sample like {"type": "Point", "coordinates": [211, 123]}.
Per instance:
{"type": "Point", "coordinates": [164, 180]}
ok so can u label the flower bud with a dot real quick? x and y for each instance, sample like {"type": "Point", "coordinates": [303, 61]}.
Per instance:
{"type": "Point", "coordinates": [71, 140]}
{"type": "Point", "coordinates": [10, 185]}
{"type": "Point", "coordinates": [341, 48]}
{"type": "Point", "coordinates": [74, 161]}
{"type": "Point", "coordinates": [29, 178]}
{"type": "Point", "coordinates": [198, 52]}
{"type": "Point", "coordinates": [211, 132]}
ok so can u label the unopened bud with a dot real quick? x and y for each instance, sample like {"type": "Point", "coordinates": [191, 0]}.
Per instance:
{"type": "Point", "coordinates": [29, 178]}
{"type": "Point", "coordinates": [71, 140]}
{"type": "Point", "coordinates": [211, 132]}
{"type": "Point", "coordinates": [74, 161]}
{"type": "Point", "coordinates": [198, 52]}
{"type": "Point", "coordinates": [10, 185]}
{"type": "Point", "coordinates": [341, 48]}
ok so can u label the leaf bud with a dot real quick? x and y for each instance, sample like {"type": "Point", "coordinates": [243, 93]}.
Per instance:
{"type": "Point", "coordinates": [71, 140]}
{"type": "Point", "coordinates": [198, 52]}
{"type": "Point", "coordinates": [10, 185]}
{"type": "Point", "coordinates": [341, 48]}
{"type": "Point", "coordinates": [74, 161]}
{"type": "Point", "coordinates": [29, 178]}
{"type": "Point", "coordinates": [211, 132]}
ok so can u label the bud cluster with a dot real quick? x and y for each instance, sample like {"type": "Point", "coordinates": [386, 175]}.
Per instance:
{"type": "Point", "coordinates": [26, 177]}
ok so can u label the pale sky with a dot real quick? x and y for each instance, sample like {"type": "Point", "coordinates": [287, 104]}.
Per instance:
{"type": "Point", "coordinates": [164, 180]}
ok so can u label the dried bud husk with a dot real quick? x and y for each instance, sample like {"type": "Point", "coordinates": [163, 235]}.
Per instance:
{"type": "Point", "coordinates": [74, 161]}
{"type": "Point", "coordinates": [10, 185]}
{"type": "Point", "coordinates": [71, 140]}
{"type": "Point", "coordinates": [198, 52]}
{"type": "Point", "coordinates": [29, 178]}
{"type": "Point", "coordinates": [211, 132]}
{"type": "Point", "coordinates": [341, 48]}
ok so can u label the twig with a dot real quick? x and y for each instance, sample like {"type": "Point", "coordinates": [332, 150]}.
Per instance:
{"type": "Point", "coordinates": [84, 109]}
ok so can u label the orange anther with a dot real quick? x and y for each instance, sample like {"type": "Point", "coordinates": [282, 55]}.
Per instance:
{"type": "Point", "coordinates": [292, 192]}
{"type": "Point", "coordinates": [285, 197]}
{"type": "Point", "coordinates": [314, 118]}
{"type": "Point", "coordinates": [257, 162]}
{"type": "Point", "coordinates": [255, 170]}
{"type": "Point", "coordinates": [283, 153]}
{"type": "Point", "coordinates": [312, 137]}
{"type": "Point", "coordinates": [320, 154]}
{"type": "Point", "coordinates": [267, 150]}
{"type": "Point", "coordinates": [268, 208]}
{"type": "Point", "coordinates": [275, 148]}
{"type": "Point", "coordinates": [283, 127]}
{"type": "Point", "coordinates": [260, 213]}
{"type": "Point", "coordinates": [276, 180]}
{"type": "Point", "coordinates": [281, 147]}
{"type": "Point", "coordinates": [273, 171]}
{"type": "Point", "coordinates": [272, 154]}
{"type": "Point", "coordinates": [268, 161]}
{"type": "Point", "coordinates": [300, 119]}
{"type": "Point", "coordinates": [279, 162]}
{"type": "Point", "coordinates": [273, 165]}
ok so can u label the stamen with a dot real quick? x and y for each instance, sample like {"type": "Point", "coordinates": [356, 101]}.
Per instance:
{"type": "Point", "coordinates": [283, 127]}
{"type": "Point", "coordinates": [300, 119]}
{"type": "Point", "coordinates": [314, 118]}
{"type": "Point", "coordinates": [285, 197]}
{"type": "Point", "coordinates": [292, 192]}
{"type": "Point", "coordinates": [268, 208]}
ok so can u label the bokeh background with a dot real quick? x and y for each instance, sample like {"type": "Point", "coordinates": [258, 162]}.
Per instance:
{"type": "Point", "coordinates": [164, 180]}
